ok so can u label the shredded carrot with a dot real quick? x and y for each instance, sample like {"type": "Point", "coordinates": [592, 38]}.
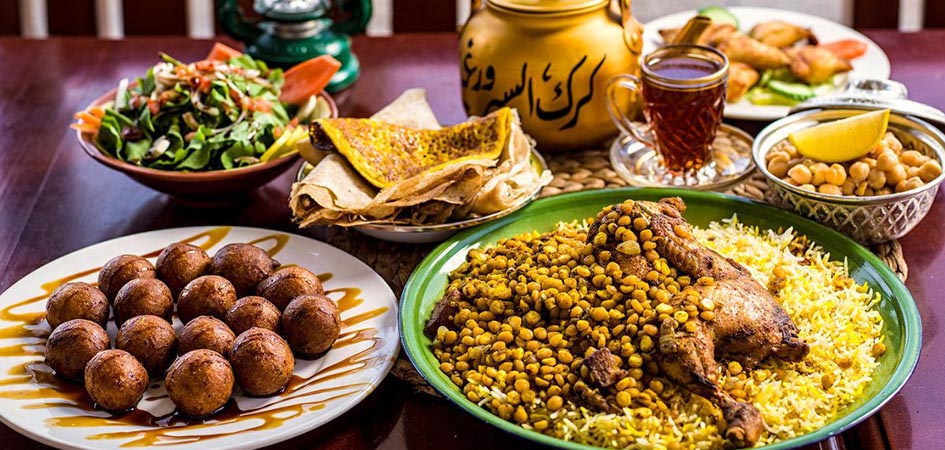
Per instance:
{"type": "Point", "coordinates": [88, 118]}
{"type": "Point", "coordinates": [84, 127]}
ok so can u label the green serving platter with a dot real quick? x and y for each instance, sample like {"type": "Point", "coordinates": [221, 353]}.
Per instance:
{"type": "Point", "coordinates": [903, 328]}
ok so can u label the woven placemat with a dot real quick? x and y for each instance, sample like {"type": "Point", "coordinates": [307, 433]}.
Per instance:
{"type": "Point", "coordinates": [574, 171]}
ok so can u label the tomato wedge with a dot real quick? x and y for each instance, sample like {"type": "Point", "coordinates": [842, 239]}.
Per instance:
{"type": "Point", "coordinates": [308, 78]}
{"type": "Point", "coordinates": [847, 49]}
{"type": "Point", "coordinates": [223, 52]}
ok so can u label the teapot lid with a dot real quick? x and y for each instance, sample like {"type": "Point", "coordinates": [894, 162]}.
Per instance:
{"type": "Point", "coordinates": [547, 6]}
{"type": "Point", "coordinates": [872, 94]}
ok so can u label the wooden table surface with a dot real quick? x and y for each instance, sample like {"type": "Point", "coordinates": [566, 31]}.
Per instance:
{"type": "Point", "coordinates": [54, 199]}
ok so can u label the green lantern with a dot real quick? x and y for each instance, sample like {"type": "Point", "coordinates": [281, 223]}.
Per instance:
{"type": "Point", "coordinates": [293, 31]}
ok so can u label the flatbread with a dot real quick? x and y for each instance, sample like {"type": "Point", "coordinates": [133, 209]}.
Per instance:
{"type": "Point", "coordinates": [333, 193]}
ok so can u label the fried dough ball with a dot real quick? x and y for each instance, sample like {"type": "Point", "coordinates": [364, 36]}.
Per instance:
{"type": "Point", "coordinates": [287, 283]}
{"type": "Point", "coordinates": [252, 311]}
{"type": "Point", "coordinates": [244, 265]}
{"type": "Point", "coordinates": [206, 332]}
{"type": "Point", "coordinates": [120, 270]}
{"type": "Point", "coordinates": [200, 382]}
{"type": "Point", "coordinates": [262, 362]}
{"type": "Point", "coordinates": [151, 340]}
{"type": "Point", "coordinates": [115, 380]}
{"type": "Point", "coordinates": [209, 295]}
{"type": "Point", "coordinates": [72, 344]}
{"type": "Point", "coordinates": [143, 296]}
{"type": "Point", "coordinates": [76, 300]}
{"type": "Point", "coordinates": [179, 264]}
{"type": "Point", "coordinates": [311, 324]}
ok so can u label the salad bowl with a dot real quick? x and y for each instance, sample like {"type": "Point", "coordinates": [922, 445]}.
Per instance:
{"type": "Point", "coordinates": [196, 189]}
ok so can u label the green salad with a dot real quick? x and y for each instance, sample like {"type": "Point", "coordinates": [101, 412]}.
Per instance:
{"type": "Point", "coordinates": [208, 115]}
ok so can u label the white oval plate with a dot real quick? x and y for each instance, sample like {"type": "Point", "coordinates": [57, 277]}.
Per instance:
{"type": "Point", "coordinates": [873, 63]}
{"type": "Point", "coordinates": [321, 390]}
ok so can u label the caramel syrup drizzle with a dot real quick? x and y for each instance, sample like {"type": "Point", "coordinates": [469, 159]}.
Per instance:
{"type": "Point", "coordinates": [166, 430]}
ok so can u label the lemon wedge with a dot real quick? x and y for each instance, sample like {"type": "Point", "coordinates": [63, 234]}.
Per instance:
{"type": "Point", "coordinates": [286, 144]}
{"type": "Point", "coordinates": [842, 140]}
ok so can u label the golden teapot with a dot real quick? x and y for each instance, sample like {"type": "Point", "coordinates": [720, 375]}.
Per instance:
{"type": "Point", "coordinates": [551, 60]}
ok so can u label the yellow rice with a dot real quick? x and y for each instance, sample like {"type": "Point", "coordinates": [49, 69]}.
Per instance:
{"type": "Point", "coordinates": [835, 316]}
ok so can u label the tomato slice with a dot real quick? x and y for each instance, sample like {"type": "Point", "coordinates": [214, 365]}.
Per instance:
{"type": "Point", "coordinates": [847, 49]}
{"type": "Point", "coordinates": [223, 52]}
{"type": "Point", "coordinates": [308, 78]}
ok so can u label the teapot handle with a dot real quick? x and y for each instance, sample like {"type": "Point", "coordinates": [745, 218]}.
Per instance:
{"type": "Point", "coordinates": [632, 29]}
{"type": "Point", "coordinates": [360, 15]}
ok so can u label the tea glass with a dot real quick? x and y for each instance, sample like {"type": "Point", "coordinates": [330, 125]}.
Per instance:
{"type": "Point", "coordinates": [683, 96]}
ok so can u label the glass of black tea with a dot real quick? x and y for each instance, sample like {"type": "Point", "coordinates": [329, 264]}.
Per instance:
{"type": "Point", "coordinates": [683, 95]}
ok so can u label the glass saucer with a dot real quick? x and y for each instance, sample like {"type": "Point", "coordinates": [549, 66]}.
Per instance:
{"type": "Point", "coordinates": [731, 162]}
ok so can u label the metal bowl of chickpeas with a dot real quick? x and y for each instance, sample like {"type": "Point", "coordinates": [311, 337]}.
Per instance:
{"type": "Point", "coordinates": [874, 198]}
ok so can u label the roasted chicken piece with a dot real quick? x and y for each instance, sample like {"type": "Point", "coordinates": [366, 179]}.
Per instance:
{"type": "Point", "coordinates": [749, 324]}
{"type": "Point", "coordinates": [816, 65]}
{"type": "Point", "coordinates": [714, 35]}
{"type": "Point", "coordinates": [741, 77]}
{"type": "Point", "coordinates": [741, 48]}
{"type": "Point", "coordinates": [781, 34]}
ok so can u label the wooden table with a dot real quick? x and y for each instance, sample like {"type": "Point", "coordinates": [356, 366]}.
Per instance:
{"type": "Point", "coordinates": [54, 200]}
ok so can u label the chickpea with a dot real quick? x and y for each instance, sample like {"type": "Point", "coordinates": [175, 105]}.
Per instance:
{"type": "Point", "coordinates": [778, 167]}
{"type": "Point", "coordinates": [913, 158]}
{"type": "Point", "coordinates": [869, 192]}
{"type": "Point", "coordinates": [808, 187]}
{"type": "Point", "coordinates": [830, 189]}
{"type": "Point", "coordinates": [777, 154]}
{"type": "Point", "coordinates": [861, 188]}
{"type": "Point", "coordinates": [818, 173]}
{"type": "Point", "coordinates": [790, 150]}
{"type": "Point", "coordinates": [836, 175]}
{"type": "Point", "coordinates": [912, 172]}
{"type": "Point", "coordinates": [909, 184]}
{"type": "Point", "coordinates": [887, 160]}
{"type": "Point", "coordinates": [869, 162]}
{"type": "Point", "coordinates": [885, 191]}
{"type": "Point", "coordinates": [859, 171]}
{"type": "Point", "coordinates": [896, 174]}
{"type": "Point", "coordinates": [790, 181]}
{"type": "Point", "coordinates": [801, 174]}
{"type": "Point", "coordinates": [929, 170]}
{"type": "Point", "coordinates": [892, 143]}
{"type": "Point", "coordinates": [849, 186]}
{"type": "Point", "coordinates": [876, 179]}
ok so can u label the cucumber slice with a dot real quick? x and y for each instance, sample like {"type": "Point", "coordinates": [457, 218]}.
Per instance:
{"type": "Point", "coordinates": [719, 15]}
{"type": "Point", "coordinates": [796, 91]}
{"type": "Point", "coordinates": [765, 97]}
{"type": "Point", "coordinates": [765, 78]}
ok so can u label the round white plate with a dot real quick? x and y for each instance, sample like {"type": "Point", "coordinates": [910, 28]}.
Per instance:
{"type": "Point", "coordinates": [59, 414]}
{"type": "Point", "coordinates": [873, 63]}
